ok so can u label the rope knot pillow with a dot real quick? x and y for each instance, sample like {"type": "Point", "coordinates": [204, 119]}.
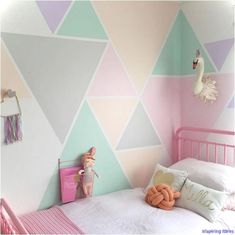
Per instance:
{"type": "Point", "coordinates": [162, 196]}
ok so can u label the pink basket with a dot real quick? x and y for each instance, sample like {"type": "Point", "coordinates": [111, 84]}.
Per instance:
{"type": "Point", "coordinates": [69, 186]}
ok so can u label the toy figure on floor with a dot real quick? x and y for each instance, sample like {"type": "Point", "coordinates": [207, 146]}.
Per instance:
{"type": "Point", "coordinates": [87, 173]}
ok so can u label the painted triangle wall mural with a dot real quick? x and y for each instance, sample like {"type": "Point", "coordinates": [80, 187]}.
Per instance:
{"type": "Point", "coordinates": [139, 164]}
{"type": "Point", "coordinates": [168, 62]}
{"type": "Point", "coordinates": [111, 78]}
{"type": "Point", "coordinates": [163, 91]}
{"type": "Point", "coordinates": [22, 178]}
{"type": "Point", "coordinates": [139, 131]}
{"type": "Point", "coordinates": [231, 103]}
{"type": "Point", "coordinates": [86, 133]}
{"type": "Point", "coordinates": [190, 43]}
{"type": "Point", "coordinates": [228, 65]}
{"type": "Point", "coordinates": [74, 63]}
{"type": "Point", "coordinates": [116, 75]}
{"type": "Point", "coordinates": [219, 50]}
{"type": "Point", "coordinates": [181, 43]}
{"type": "Point", "coordinates": [204, 20]}
{"type": "Point", "coordinates": [53, 12]}
{"type": "Point", "coordinates": [51, 196]}
{"type": "Point", "coordinates": [10, 77]}
{"type": "Point", "coordinates": [109, 111]}
{"type": "Point", "coordinates": [192, 108]}
{"type": "Point", "coordinates": [137, 28]}
{"type": "Point", "coordinates": [24, 17]}
{"type": "Point", "coordinates": [82, 21]}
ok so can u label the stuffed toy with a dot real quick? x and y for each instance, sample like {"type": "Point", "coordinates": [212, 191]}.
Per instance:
{"type": "Point", "coordinates": [87, 173]}
{"type": "Point", "coordinates": [162, 196]}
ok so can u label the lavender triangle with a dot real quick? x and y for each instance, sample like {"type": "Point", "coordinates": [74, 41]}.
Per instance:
{"type": "Point", "coordinates": [219, 50]}
{"type": "Point", "coordinates": [231, 103]}
{"type": "Point", "coordinates": [53, 12]}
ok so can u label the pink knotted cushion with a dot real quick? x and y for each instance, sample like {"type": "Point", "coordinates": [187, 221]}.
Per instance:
{"type": "Point", "coordinates": [162, 196]}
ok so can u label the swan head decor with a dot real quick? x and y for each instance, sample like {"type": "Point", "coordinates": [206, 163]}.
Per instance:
{"type": "Point", "coordinates": [204, 86]}
{"type": "Point", "coordinates": [198, 64]}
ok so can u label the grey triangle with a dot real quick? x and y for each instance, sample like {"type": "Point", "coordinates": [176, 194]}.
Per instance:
{"type": "Point", "coordinates": [58, 72]}
{"type": "Point", "coordinates": [139, 132]}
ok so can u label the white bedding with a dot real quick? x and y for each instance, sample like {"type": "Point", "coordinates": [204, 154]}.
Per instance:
{"type": "Point", "coordinates": [126, 212]}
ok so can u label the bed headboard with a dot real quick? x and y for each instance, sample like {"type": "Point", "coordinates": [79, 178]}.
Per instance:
{"type": "Point", "coordinates": [206, 144]}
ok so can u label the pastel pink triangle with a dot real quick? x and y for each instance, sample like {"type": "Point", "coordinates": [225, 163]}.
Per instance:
{"type": "Point", "coordinates": [162, 100]}
{"type": "Point", "coordinates": [170, 104]}
{"type": "Point", "coordinates": [111, 78]}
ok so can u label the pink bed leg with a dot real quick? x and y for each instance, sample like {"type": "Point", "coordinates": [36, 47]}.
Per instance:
{"type": "Point", "coordinates": [6, 226]}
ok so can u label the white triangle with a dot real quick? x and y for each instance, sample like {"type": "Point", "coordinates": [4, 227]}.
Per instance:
{"type": "Point", "coordinates": [24, 17]}
{"type": "Point", "coordinates": [26, 166]}
{"type": "Point", "coordinates": [211, 20]}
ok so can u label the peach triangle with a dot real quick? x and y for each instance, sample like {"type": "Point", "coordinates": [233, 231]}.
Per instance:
{"type": "Point", "coordinates": [10, 78]}
{"type": "Point", "coordinates": [111, 78]}
{"type": "Point", "coordinates": [139, 164]}
{"type": "Point", "coordinates": [113, 115]}
{"type": "Point", "coordinates": [138, 30]}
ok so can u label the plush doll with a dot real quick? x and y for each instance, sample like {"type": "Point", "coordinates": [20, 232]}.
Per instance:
{"type": "Point", "coordinates": [162, 196]}
{"type": "Point", "coordinates": [87, 173]}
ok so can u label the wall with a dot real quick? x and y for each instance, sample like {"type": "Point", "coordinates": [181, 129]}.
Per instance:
{"type": "Point", "coordinates": [84, 77]}
{"type": "Point", "coordinates": [215, 37]}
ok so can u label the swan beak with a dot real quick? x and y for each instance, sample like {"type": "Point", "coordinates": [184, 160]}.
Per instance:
{"type": "Point", "coordinates": [195, 62]}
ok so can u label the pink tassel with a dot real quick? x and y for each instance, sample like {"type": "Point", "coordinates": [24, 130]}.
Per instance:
{"type": "Point", "coordinates": [13, 128]}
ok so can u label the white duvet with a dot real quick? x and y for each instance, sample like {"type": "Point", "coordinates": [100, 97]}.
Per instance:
{"type": "Point", "coordinates": [126, 212]}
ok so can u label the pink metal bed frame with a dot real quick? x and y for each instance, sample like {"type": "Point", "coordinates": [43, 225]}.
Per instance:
{"type": "Point", "coordinates": [12, 226]}
{"type": "Point", "coordinates": [10, 223]}
{"type": "Point", "coordinates": [188, 146]}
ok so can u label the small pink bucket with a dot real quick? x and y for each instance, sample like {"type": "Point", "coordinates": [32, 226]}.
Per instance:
{"type": "Point", "coordinates": [69, 186]}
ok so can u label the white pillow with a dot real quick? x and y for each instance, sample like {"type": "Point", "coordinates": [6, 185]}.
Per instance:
{"type": "Point", "coordinates": [171, 177]}
{"type": "Point", "coordinates": [202, 200]}
{"type": "Point", "coordinates": [212, 175]}
{"type": "Point", "coordinates": [230, 202]}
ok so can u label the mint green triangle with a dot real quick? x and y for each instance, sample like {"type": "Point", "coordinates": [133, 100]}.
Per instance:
{"type": "Point", "coordinates": [169, 61]}
{"type": "Point", "coordinates": [189, 45]}
{"type": "Point", "coordinates": [85, 134]}
{"type": "Point", "coordinates": [179, 50]}
{"type": "Point", "coordinates": [82, 21]}
{"type": "Point", "coordinates": [52, 194]}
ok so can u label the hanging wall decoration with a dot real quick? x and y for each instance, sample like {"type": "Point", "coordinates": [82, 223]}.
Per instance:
{"type": "Point", "coordinates": [13, 122]}
{"type": "Point", "coordinates": [204, 86]}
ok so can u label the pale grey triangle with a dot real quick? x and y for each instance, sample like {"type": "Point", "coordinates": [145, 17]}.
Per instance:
{"type": "Point", "coordinates": [58, 72]}
{"type": "Point", "coordinates": [139, 132]}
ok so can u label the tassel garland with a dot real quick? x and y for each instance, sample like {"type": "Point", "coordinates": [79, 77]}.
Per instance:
{"type": "Point", "coordinates": [13, 128]}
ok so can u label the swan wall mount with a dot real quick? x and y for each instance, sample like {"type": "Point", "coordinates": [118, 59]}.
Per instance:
{"type": "Point", "coordinates": [204, 86]}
